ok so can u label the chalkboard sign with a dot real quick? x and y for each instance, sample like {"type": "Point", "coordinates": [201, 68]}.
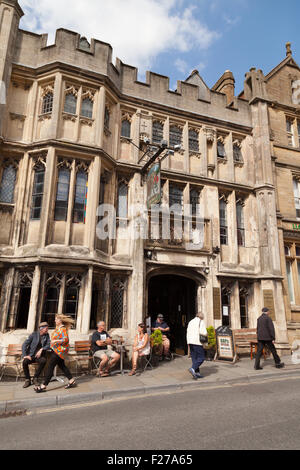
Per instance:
{"type": "Point", "coordinates": [225, 344]}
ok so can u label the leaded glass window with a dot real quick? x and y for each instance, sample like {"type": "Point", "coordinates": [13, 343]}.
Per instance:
{"type": "Point", "coordinates": [37, 193]}
{"type": "Point", "coordinates": [122, 208]}
{"type": "Point", "coordinates": [47, 104]}
{"type": "Point", "coordinates": [194, 201]}
{"type": "Point", "coordinates": [175, 136]}
{"type": "Point", "coordinates": [117, 303]}
{"type": "Point", "coordinates": [223, 223]}
{"type": "Point", "coordinates": [221, 149]}
{"type": "Point", "coordinates": [237, 154]}
{"type": "Point", "coordinates": [126, 128]}
{"type": "Point", "coordinates": [7, 187]}
{"type": "Point", "coordinates": [175, 196]}
{"type": "Point", "coordinates": [193, 141]}
{"type": "Point", "coordinates": [240, 224]}
{"type": "Point", "coordinates": [87, 108]}
{"type": "Point", "coordinates": [80, 197]}
{"type": "Point", "coordinates": [71, 300]}
{"type": "Point", "coordinates": [157, 132]}
{"type": "Point", "coordinates": [70, 103]}
{"type": "Point", "coordinates": [62, 194]}
{"type": "Point", "coordinates": [51, 304]}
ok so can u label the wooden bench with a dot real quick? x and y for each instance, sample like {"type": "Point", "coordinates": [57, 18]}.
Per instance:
{"type": "Point", "coordinates": [246, 338]}
{"type": "Point", "coordinates": [13, 359]}
{"type": "Point", "coordinates": [83, 355]}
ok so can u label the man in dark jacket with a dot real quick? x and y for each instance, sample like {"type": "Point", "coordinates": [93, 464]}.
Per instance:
{"type": "Point", "coordinates": [266, 337]}
{"type": "Point", "coordinates": [34, 350]}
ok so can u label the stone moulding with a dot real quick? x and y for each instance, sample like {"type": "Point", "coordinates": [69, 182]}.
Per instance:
{"type": "Point", "coordinates": [17, 116]}
{"type": "Point", "coordinates": [43, 117]}
{"type": "Point", "coordinates": [69, 117]}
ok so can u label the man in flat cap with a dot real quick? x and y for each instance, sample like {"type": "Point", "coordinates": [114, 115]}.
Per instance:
{"type": "Point", "coordinates": [266, 337]}
{"type": "Point", "coordinates": [34, 350]}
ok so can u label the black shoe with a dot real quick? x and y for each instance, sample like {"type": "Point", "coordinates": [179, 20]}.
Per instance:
{"type": "Point", "coordinates": [279, 366]}
{"type": "Point", "coordinates": [27, 383]}
{"type": "Point", "coordinates": [258, 368]}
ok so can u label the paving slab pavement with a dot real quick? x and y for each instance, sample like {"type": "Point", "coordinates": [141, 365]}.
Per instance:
{"type": "Point", "coordinates": [168, 376]}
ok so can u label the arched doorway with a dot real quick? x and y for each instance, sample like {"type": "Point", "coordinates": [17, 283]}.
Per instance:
{"type": "Point", "coordinates": [175, 297]}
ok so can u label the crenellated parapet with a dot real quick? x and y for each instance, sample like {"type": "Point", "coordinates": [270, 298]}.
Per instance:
{"type": "Point", "coordinates": [94, 59]}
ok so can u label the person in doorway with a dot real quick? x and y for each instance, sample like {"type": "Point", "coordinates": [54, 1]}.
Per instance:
{"type": "Point", "coordinates": [59, 349]}
{"type": "Point", "coordinates": [195, 328]}
{"type": "Point", "coordinates": [34, 351]}
{"type": "Point", "coordinates": [141, 346]}
{"type": "Point", "coordinates": [161, 325]}
{"type": "Point", "coordinates": [100, 348]}
{"type": "Point", "coordinates": [266, 337]}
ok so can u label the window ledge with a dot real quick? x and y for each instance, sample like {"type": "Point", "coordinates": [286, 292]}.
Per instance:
{"type": "Point", "coordinates": [86, 120]}
{"type": "Point", "coordinates": [6, 207]}
{"type": "Point", "coordinates": [42, 117]}
{"type": "Point", "coordinates": [69, 116]}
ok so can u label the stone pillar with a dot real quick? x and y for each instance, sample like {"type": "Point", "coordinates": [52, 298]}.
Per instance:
{"type": "Point", "coordinates": [203, 151]}
{"type": "Point", "coordinates": [87, 302]}
{"type": "Point", "coordinates": [49, 188]}
{"type": "Point", "coordinates": [92, 204]}
{"type": "Point", "coordinates": [56, 112]}
{"type": "Point", "coordinates": [235, 306]}
{"type": "Point", "coordinates": [99, 119]}
{"type": "Point", "coordinates": [70, 204]}
{"type": "Point", "coordinates": [31, 113]}
{"type": "Point", "coordinates": [34, 299]}
{"type": "Point", "coordinates": [7, 288]}
{"type": "Point", "coordinates": [20, 203]}
{"type": "Point", "coordinates": [229, 155]}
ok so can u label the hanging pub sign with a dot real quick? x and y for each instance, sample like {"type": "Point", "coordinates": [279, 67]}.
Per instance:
{"type": "Point", "coordinates": [225, 344]}
{"type": "Point", "coordinates": [153, 185]}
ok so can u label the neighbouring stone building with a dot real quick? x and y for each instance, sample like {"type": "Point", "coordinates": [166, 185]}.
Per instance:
{"type": "Point", "coordinates": [73, 128]}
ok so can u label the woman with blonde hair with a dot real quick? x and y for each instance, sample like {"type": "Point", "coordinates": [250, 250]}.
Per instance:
{"type": "Point", "coordinates": [59, 349]}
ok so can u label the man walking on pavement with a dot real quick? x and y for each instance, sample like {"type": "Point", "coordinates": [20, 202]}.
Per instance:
{"type": "Point", "coordinates": [266, 337]}
{"type": "Point", "coordinates": [194, 329]}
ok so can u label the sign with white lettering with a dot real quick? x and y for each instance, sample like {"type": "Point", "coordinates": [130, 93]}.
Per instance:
{"type": "Point", "coordinates": [225, 344]}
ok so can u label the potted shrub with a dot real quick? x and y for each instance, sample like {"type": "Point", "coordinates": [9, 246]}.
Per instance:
{"type": "Point", "coordinates": [156, 342]}
{"type": "Point", "coordinates": [210, 346]}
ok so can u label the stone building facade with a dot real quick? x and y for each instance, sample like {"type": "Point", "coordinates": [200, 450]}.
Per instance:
{"type": "Point", "coordinates": [282, 95]}
{"type": "Point", "coordinates": [73, 130]}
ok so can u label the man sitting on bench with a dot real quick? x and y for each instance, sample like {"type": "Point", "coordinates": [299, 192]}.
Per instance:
{"type": "Point", "coordinates": [34, 350]}
{"type": "Point", "coordinates": [101, 342]}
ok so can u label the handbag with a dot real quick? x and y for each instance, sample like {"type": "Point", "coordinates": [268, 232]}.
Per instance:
{"type": "Point", "coordinates": [202, 338]}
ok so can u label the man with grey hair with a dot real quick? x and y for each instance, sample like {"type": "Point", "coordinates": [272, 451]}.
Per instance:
{"type": "Point", "coordinates": [100, 348]}
{"type": "Point", "coordinates": [34, 351]}
{"type": "Point", "coordinates": [196, 327]}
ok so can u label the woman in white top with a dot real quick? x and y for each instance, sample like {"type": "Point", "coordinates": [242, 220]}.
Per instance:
{"type": "Point", "coordinates": [141, 346]}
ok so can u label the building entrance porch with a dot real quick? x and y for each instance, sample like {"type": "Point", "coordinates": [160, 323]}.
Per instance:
{"type": "Point", "coordinates": [176, 298]}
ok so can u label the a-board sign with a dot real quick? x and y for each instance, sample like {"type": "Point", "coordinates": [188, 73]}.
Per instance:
{"type": "Point", "coordinates": [225, 344]}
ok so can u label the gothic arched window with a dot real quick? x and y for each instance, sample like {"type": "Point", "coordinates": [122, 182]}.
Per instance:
{"type": "Point", "coordinates": [80, 197]}
{"type": "Point", "coordinates": [126, 128]}
{"type": "Point", "coordinates": [62, 194]}
{"type": "Point", "coordinates": [70, 103]}
{"type": "Point", "coordinates": [37, 193]}
{"type": "Point", "coordinates": [87, 108]}
{"type": "Point", "coordinates": [47, 104]}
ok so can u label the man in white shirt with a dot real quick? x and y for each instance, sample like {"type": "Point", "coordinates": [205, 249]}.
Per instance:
{"type": "Point", "coordinates": [195, 328]}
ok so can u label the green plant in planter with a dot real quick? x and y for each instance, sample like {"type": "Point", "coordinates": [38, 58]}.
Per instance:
{"type": "Point", "coordinates": [211, 338]}
{"type": "Point", "coordinates": [156, 340]}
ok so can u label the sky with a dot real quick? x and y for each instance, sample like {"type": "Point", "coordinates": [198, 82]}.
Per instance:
{"type": "Point", "coordinates": [175, 37]}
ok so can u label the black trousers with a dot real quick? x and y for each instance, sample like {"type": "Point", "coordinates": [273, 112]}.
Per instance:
{"type": "Point", "coordinates": [272, 349]}
{"type": "Point", "coordinates": [41, 361]}
{"type": "Point", "coordinates": [55, 360]}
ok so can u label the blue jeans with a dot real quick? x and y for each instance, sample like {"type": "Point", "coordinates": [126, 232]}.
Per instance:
{"type": "Point", "coordinates": [197, 355]}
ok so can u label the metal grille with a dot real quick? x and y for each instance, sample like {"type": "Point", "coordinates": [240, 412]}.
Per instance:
{"type": "Point", "coordinates": [117, 304]}
{"type": "Point", "coordinates": [8, 185]}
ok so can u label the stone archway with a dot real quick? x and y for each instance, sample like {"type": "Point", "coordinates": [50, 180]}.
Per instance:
{"type": "Point", "coordinates": [177, 294]}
